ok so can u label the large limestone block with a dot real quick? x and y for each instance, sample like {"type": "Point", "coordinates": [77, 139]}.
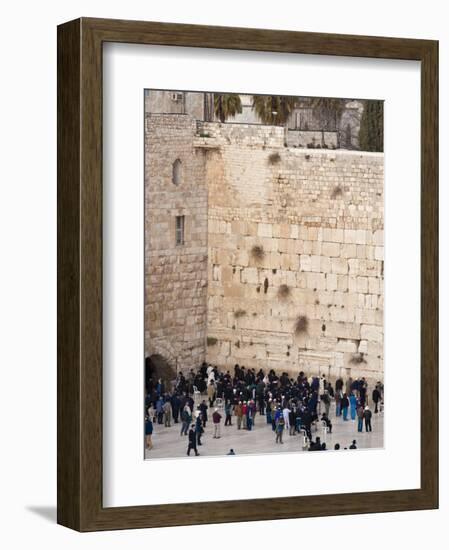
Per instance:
{"type": "Point", "coordinates": [350, 236]}
{"type": "Point", "coordinates": [289, 261]}
{"type": "Point", "coordinates": [379, 253]}
{"type": "Point", "coordinates": [346, 345]}
{"type": "Point", "coordinates": [378, 238]}
{"type": "Point", "coordinates": [372, 333]}
{"type": "Point", "coordinates": [315, 263]}
{"type": "Point", "coordinates": [305, 262]}
{"type": "Point", "coordinates": [339, 266]}
{"type": "Point", "coordinates": [362, 285]}
{"type": "Point", "coordinates": [331, 281]}
{"type": "Point", "coordinates": [265, 230]}
{"type": "Point", "coordinates": [316, 281]}
{"type": "Point", "coordinates": [343, 330]}
{"type": "Point", "coordinates": [330, 249]}
{"type": "Point", "coordinates": [325, 264]}
{"type": "Point", "coordinates": [348, 251]}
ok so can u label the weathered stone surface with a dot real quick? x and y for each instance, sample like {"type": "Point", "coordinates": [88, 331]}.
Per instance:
{"type": "Point", "coordinates": [328, 252]}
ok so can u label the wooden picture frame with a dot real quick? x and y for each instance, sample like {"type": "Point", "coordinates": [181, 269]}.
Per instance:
{"type": "Point", "coordinates": [80, 419]}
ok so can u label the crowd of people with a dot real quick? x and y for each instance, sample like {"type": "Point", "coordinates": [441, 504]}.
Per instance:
{"type": "Point", "coordinates": [288, 405]}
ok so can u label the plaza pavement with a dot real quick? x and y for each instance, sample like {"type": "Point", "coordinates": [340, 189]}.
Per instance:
{"type": "Point", "coordinates": [168, 443]}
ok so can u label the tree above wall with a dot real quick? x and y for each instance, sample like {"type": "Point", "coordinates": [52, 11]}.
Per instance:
{"type": "Point", "coordinates": [371, 136]}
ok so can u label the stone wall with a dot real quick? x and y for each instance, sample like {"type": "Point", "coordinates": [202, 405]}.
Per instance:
{"type": "Point", "coordinates": [311, 295]}
{"type": "Point", "coordinates": [175, 275]}
{"type": "Point", "coordinates": [282, 265]}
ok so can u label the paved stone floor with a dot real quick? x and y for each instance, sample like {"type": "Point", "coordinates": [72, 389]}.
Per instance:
{"type": "Point", "coordinates": [168, 443]}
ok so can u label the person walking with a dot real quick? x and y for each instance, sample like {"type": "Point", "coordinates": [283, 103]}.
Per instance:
{"type": "Point", "coordinates": [280, 424]}
{"type": "Point", "coordinates": [192, 441]}
{"type": "Point", "coordinates": [148, 433]}
{"type": "Point", "coordinates": [199, 430]}
{"type": "Point", "coordinates": [186, 418]}
{"type": "Point", "coordinates": [216, 419]}
{"type": "Point", "coordinates": [367, 414]}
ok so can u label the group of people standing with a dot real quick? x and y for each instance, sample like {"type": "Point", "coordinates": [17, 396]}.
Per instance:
{"type": "Point", "coordinates": [288, 404]}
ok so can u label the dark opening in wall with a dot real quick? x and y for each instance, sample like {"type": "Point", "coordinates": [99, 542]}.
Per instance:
{"type": "Point", "coordinates": [265, 286]}
{"type": "Point", "coordinates": [176, 175]}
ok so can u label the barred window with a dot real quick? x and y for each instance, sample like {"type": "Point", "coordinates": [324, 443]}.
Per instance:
{"type": "Point", "coordinates": [179, 230]}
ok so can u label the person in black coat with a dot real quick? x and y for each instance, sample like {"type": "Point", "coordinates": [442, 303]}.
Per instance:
{"type": "Point", "coordinates": [203, 409]}
{"type": "Point", "coordinates": [175, 405]}
{"type": "Point", "coordinates": [192, 441]}
{"type": "Point", "coordinates": [376, 399]}
{"type": "Point", "coordinates": [367, 415]}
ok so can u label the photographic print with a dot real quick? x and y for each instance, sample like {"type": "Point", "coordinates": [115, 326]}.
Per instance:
{"type": "Point", "coordinates": [264, 274]}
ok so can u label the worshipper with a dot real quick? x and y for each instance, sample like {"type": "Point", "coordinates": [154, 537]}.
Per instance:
{"type": "Point", "coordinates": [175, 406]}
{"type": "Point", "coordinates": [238, 411]}
{"type": "Point", "coordinates": [166, 407]}
{"type": "Point", "coordinates": [338, 398]}
{"type": "Point", "coordinates": [199, 430]}
{"type": "Point", "coordinates": [228, 413]}
{"type": "Point", "coordinates": [286, 414]}
{"type": "Point", "coordinates": [315, 446]}
{"type": "Point", "coordinates": [160, 410]}
{"type": "Point", "coordinates": [327, 421]}
{"type": "Point", "coordinates": [216, 420]}
{"type": "Point", "coordinates": [376, 398]}
{"type": "Point", "coordinates": [192, 441]}
{"type": "Point", "coordinates": [186, 418]}
{"type": "Point", "coordinates": [292, 421]}
{"type": "Point", "coordinates": [345, 406]}
{"type": "Point", "coordinates": [280, 428]}
{"type": "Point", "coordinates": [244, 411]}
{"type": "Point", "coordinates": [367, 414]}
{"type": "Point", "coordinates": [203, 409]}
{"type": "Point", "coordinates": [326, 401]}
{"type": "Point", "coordinates": [269, 411]}
{"type": "Point", "coordinates": [353, 444]}
{"type": "Point", "coordinates": [353, 405]}
{"type": "Point", "coordinates": [148, 433]}
{"type": "Point", "coordinates": [337, 446]}
{"type": "Point", "coordinates": [231, 452]}
{"type": "Point", "coordinates": [211, 392]}
{"type": "Point", "coordinates": [360, 418]}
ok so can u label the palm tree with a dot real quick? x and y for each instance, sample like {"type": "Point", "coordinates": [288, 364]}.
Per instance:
{"type": "Point", "coordinates": [274, 110]}
{"type": "Point", "coordinates": [328, 110]}
{"type": "Point", "coordinates": [227, 105]}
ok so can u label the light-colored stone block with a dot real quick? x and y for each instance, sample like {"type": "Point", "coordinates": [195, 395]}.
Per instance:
{"type": "Point", "coordinates": [330, 249]}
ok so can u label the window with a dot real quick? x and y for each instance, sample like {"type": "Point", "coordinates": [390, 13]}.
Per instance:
{"type": "Point", "coordinates": [179, 230]}
{"type": "Point", "coordinates": [176, 176]}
